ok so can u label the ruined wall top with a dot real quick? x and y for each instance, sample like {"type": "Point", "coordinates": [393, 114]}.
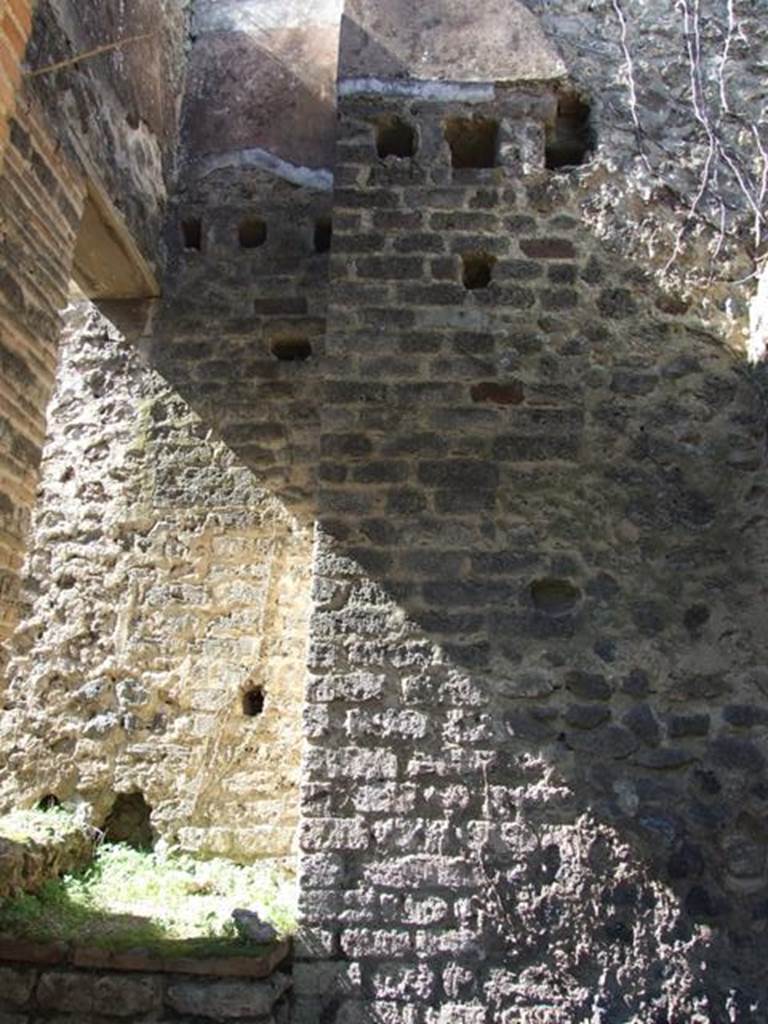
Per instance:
{"type": "Point", "coordinates": [281, 102]}
{"type": "Point", "coordinates": [445, 40]}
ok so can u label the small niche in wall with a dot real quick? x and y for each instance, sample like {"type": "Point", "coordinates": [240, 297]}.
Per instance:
{"type": "Point", "coordinates": [323, 235]}
{"type": "Point", "coordinates": [570, 140]}
{"type": "Point", "coordinates": [477, 270]}
{"type": "Point", "coordinates": [291, 349]}
{"type": "Point", "coordinates": [555, 596]}
{"type": "Point", "coordinates": [253, 702]}
{"type": "Point", "coordinates": [192, 233]}
{"type": "Point", "coordinates": [395, 137]}
{"type": "Point", "coordinates": [252, 233]}
{"type": "Point", "coordinates": [129, 822]}
{"type": "Point", "coordinates": [49, 802]}
{"type": "Point", "coordinates": [474, 142]}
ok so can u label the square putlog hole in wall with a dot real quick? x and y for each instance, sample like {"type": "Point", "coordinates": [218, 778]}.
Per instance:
{"type": "Point", "coordinates": [252, 233]}
{"type": "Point", "coordinates": [395, 137]}
{"type": "Point", "coordinates": [192, 234]}
{"type": "Point", "coordinates": [253, 702]}
{"type": "Point", "coordinates": [477, 270]}
{"type": "Point", "coordinates": [323, 235]}
{"type": "Point", "coordinates": [291, 350]}
{"type": "Point", "coordinates": [570, 140]}
{"type": "Point", "coordinates": [474, 142]}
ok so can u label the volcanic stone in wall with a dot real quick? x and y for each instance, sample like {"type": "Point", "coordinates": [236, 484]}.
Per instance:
{"type": "Point", "coordinates": [164, 590]}
{"type": "Point", "coordinates": [536, 761]}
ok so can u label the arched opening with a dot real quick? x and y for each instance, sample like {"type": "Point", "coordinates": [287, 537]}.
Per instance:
{"type": "Point", "coordinates": [129, 822]}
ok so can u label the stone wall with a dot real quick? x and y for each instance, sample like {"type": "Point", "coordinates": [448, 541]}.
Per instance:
{"type": "Point", "coordinates": [51, 989]}
{"type": "Point", "coordinates": [688, 205]}
{"type": "Point", "coordinates": [27, 864]}
{"type": "Point", "coordinates": [535, 781]}
{"type": "Point", "coordinates": [132, 146]}
{"type": "Point", "coordinates": [168, 597]}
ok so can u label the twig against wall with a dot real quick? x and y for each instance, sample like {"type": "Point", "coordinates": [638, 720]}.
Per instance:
{"type": "Point", "coordinates": [87, 55]}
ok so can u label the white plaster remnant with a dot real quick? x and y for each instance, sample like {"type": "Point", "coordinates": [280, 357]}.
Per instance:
{"type": "Point", "coordinates": [757, 346]}
{"type": "Point", "coordinates": [265, 15]}
{"type": "Point", "coordinates": [443, 92]}
{"type": "Point", "coordinates": [320, 179]}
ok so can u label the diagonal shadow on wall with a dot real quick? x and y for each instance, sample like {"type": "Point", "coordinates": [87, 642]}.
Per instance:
{"type": "Point", "coordinates": [535, 769]}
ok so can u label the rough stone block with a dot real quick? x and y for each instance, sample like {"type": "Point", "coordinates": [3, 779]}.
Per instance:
{"type": "Point", "coordinates": [227, 1000]}
{"type": "Point", "coordinates": [455, 942]}
{"type": "Point", "coordinates": [404, 984]}
{"type": "Point", "coordinates": [457, 1013]}
{"type": "Point", "coordinates": [385, 724]}
{"type": "Point", "coordinates": [351, 763]}
{"type": "Point", "coordinates": [408, 873]}
{"type": "Point", "coordinates": [119, 996]}
{"type": "Point", "coordinates": [548, 248]}
{"type": "Point", "coordinates": [66, 991]}
{"type": "Point", "coordinates": [424, 910]}
{"type": "Point", "coordinates": [320, 979]}
{"type": "Point", "coordinates": [588, 686]}
{"type": "Point", "coordinates": [459, 473]}
{"type": "Point", "coordinates": [334, 834]}
{"type": "Point", "coordinates": [16, 985]}
{"type": "Point", "coordinates": [376, 942]}
{"type": "Point", "coordinates": [384, 1013]}
{"type": "Point", "coordinates": [324, 870]}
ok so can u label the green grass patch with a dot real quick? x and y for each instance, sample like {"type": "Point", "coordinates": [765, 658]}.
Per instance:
{"type": "Point", "coordinates": [169, 904]}
{"type": "Point", "coordinates": [40, 826]}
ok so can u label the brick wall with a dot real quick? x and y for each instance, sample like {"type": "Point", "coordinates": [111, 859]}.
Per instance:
{"type": "Point", "coordinates": [15, 26]}
{"type": "Point", "coordinates": [54, 982]}
{"type": "Point", "coordinates": [536, 742]}
{"type": "Point", "coordinates": [41, 204]}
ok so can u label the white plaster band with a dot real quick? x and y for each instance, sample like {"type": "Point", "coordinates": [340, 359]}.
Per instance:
{"type": "Point", "coordinates": [445, 92]}
{"type": "Point", "coordinates": [256, 16]}
{"type": "Point", "coordinates": [320, 179]}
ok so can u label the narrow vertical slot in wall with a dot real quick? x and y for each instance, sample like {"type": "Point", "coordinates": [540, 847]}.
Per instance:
{"type": "Point", "coordinates": [192, 234]}
{"type": "Point", "coordinates": [570, 140]}
{"type": "Point", "coordinates": [323, 236]}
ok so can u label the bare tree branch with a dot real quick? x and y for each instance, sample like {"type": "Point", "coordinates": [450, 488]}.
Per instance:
{"type": "Point", "coordinates": [630, 70]}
